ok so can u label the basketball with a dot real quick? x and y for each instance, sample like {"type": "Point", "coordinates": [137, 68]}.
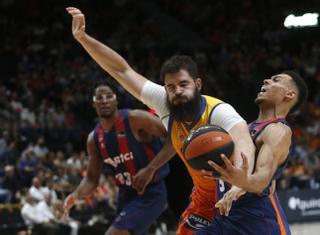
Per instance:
{"type": "Point", "coordinates": [207, 143]}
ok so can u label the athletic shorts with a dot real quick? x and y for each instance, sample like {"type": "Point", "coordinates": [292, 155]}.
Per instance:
{"type": "Point", "coordinates": [250, 216]}
{"type": "Point", "coordinates": [141, 211]}
{"type": "Point", "coordinates": [197, 215]}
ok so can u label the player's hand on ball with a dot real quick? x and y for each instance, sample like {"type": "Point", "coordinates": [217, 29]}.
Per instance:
{"type": "Point", "coordinates": [237, 176]}
{"type": "Point", "coordinates": [78, 22]}
{"type": "Point", "coordinates": [225, 203]}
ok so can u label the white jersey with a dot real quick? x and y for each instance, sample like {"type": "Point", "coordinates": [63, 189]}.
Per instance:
{"type": "Point", "coordinates": [155, 97]}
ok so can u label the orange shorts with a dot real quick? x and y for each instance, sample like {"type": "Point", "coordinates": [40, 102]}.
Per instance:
{"type": "Point", "coordinates": [197, 215]}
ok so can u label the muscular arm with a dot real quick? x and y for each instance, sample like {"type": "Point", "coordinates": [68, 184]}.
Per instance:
{"type": "Point", "coordinates": [243, 144]}
{"type": "Point", "coordinates": [276, 140]}
{"type": "Point", "coordinates": [151, 125]}
{"type": "Point", "coordinates": [107, 58]}
{"type": "Point", "coordinates": [91, 180]}
{"type": "Point", "coordinates": [225, 116]}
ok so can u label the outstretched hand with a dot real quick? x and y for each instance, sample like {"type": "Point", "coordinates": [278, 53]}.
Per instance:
{"type": "Point", "coordinates": [78, 22]}
{"type": "Point", "coordinates": [237, 176]}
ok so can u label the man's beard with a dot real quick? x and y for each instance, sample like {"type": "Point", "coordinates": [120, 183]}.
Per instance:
{"type": "Point", "coordinates": [186, 111]}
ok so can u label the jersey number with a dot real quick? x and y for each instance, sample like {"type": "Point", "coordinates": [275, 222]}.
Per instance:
{"type": "Point", "coordinates": [222, 186]}
{"type": "Point", "coordinates": [124, 178]}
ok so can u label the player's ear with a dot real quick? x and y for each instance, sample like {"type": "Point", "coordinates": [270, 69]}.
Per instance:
{"type": "Point", "coordinates": [198, 83]}
{"type": "Point", "coordinates": [290, 95]}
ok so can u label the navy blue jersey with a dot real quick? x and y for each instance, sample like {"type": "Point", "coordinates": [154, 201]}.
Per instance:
{"type": "Point", "coordinates": [255, 129]}
{"type": "Point", "coordinates": [124, 154]}
{"type": "Point", "coordinates": [252, 213]}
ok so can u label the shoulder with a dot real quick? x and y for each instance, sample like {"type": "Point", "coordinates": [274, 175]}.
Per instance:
{"type": "Point", "coordinates": [212, 99]}
{"type": "Point", "coordinates": [138, 115]}
{"type": "Point", "coordinates": [277, 132]}
{"type": "Point", "coordinates": [278, 127]}
{"type": "Point", "coordinates": [90, 138]}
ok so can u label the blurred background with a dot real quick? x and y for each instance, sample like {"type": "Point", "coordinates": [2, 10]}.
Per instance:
{"type": "Point", "coordinates": [46, 82]}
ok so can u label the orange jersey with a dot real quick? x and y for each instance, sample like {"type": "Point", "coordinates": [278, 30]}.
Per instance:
{"type": "Point", "coordinates": [204, 189]}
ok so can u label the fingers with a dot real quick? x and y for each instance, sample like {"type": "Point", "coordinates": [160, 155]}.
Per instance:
{"type": "Point", "coordinates": [139, 185]}
{"type": "Point", "coordinates": [141, 190]}
{"type": "Point", "coordinates": [244, 161]}
{"type": "Point", "coordinates": [74, 12]}
{"type": "Point", "coordinates": [219, 169]}
{"type": "Point", "coordinates": [228, 207]}
{"type": "Point", "coordinates": [207, 173]}
{"type": "Point", "coordinates": [226, 161]}
{"type": "Point", "coordinates": [65, 215]}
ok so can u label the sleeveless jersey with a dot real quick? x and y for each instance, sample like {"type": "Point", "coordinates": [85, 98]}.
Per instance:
{"type": "Point", "coordinates": [206, 189]}
{"type": "Point", "coordinates": [255, 129]}
{"type": "Point", "coordinates": [124, 154]}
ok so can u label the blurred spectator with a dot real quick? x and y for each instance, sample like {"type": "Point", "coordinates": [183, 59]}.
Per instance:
{"type": "Point", "coordinates": [40, 149]}
{"type": "Point", "coordinates": [28, 166]}
{"type": "Point", "coordinates": [11, 183]}
{"type": "Point", "coordinates": [35, 190]}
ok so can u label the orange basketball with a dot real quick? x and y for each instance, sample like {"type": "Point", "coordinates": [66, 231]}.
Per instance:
{"type": "Point", "coordinates": [207, 143]}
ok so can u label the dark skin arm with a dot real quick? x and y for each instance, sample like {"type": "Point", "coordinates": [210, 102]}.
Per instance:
{"type": "Point", "coordinates": [91, 180]}
{"type": "Point", "coordinates": [146, 125]}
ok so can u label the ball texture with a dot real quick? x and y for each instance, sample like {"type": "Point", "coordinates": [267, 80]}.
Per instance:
{"type": "Point", "coordinates": [207, 143]}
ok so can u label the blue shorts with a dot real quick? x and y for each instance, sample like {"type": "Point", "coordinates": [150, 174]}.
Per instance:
{"type": "Point", "coordinates": [249, 216]}
{"type": "Point", "coordinates": [141, 211]}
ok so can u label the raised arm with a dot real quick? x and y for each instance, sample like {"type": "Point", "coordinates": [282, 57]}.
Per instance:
{"type": "Point", "coordinates": [146, 122]}
{"type": "Point", "coordinates": [107, 58]}
{"type": "Point", "coordinates": [91, 180]}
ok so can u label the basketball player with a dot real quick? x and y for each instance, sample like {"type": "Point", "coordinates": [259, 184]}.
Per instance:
{"type": "Point", "coordinates": [182, 108]}
{"type": "Point", "coordinates": [127, 140]}
{"type": "Point", "coordinates": [258, 211]}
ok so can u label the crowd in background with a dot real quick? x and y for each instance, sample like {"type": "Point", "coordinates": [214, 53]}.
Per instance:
{"type": "Point", "coordinates": [47, 81]}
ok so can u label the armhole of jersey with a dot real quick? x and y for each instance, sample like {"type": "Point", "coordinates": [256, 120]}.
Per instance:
{"type": "Point", "coordinates": [283, 121]}
{"type": "Point", "coordinates": [214, 107]}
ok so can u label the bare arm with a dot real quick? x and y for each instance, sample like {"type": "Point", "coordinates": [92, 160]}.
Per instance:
{"type": "Point", "coordinates": [152, 125]}
{"type": "Point", "coordinates": [276, 140]}
{"type": "Point", "coordinates": [91, 180]}
{"type": "Point", "coordinates": [107, 58]}
{"type": "Point", "coordinates": [243, 144]}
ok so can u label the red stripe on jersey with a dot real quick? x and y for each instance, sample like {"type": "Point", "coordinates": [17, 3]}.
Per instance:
{"type": "Point", "coordinates": [123, 144]}
{"type": "Point", "coordinates": [102, 146]}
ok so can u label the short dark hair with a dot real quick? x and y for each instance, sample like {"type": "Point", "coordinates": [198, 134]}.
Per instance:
{"type": "Point", "coordinates": [302, 89]}
{"type": "Point", "coordinates": [178, 62]}
{"type": "Point", "coordinates": [100, 83]}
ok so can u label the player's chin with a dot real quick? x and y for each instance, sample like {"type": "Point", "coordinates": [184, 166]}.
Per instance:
{"type": "Point", "coordinates": [258, 100]}
{"type": "Point", "coordinates": [105, 114]}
